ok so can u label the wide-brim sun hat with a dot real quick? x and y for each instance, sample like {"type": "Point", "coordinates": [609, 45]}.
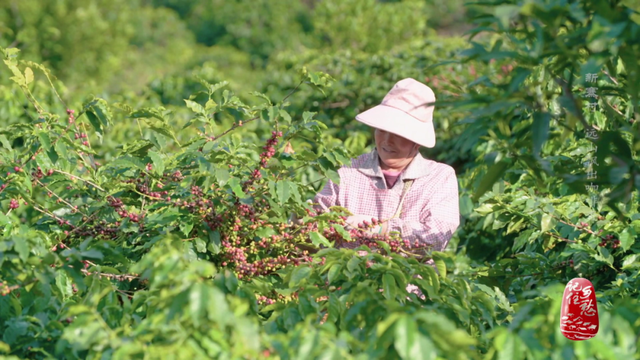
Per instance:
{"type": "Point", "coordinates": [406, 111]}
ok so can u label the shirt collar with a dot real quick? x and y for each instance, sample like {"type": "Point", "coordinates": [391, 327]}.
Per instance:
{"type": "Point", "coordinates": [370, 166]}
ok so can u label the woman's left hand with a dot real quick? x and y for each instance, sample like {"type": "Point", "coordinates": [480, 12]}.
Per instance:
{"type": "Point", "coordinates": [355, 220]}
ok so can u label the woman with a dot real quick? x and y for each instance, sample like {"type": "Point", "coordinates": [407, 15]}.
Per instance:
{"type": "Point", "coordinates": [394, 183]}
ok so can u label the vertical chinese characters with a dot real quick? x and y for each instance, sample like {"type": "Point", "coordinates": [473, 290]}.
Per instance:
{"type": "Point", "coordinates": [592, 134]}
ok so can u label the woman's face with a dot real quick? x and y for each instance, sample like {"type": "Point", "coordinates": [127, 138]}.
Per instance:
{"type": "Point", "coordinates": [395, 152]}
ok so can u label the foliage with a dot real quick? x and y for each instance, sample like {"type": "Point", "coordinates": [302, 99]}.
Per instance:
{"type": "Point", "coordinates": [86, 42]}
{"type": "Point", "coordinates": [155, 223]}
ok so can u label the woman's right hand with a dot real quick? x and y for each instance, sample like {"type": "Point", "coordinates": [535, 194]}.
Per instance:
{"type": "Point", "coordinates": [355, 220]}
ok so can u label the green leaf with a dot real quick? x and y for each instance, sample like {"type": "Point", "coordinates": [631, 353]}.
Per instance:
{"type": "Point", "coordinates": [547, 222]}
{"type": "Point", "coordinates": [406, 332]}
{"type": "Point", "coordinates": [185, 227]}
{"type": "Point", "coordinates": [388, 286]}
{"type": "Point", "coordinates": [148, 113]}
{"type": "Point", "coordinates": [28, 76]}
{"type": "Point", "coordinates": [285, 116]}
{"type": "Point", "coordinates": [210, 105]}
{"type": "Point", "coordinates": [631, 262]}
{"type": "Point", "coordinates": [626, 240]}
{"type": "Point", "coordinates": [283, 191]}
{"type": "Point", "coordinates": [485, 209]}
{"type": "Point", "coordinates": [307, 116]}
{"type": "Point", "coordinates": [505, 13]}
{"type": "Point", "coordinates": [354, 264]}
{"type": "Point", "coordinates": [334, 271]}
{"type": "Point", "coordinates": [18, 77]}
{"type": "Point", "coordinates": [298, 274]}
{"type": "Point", "coordinates": [318, 239]}
{"type": "Point", "coordinates": [198, 303]}
{"type": "Point", "coordinates": [63, 283]}
{"type": "Point", "coordinates": [4, 220]}
{"type": "Point", "coordinates": [540, 130]}
{"type": "Point", "coordinates": [494, 173]}
{"type": "Point", "coordinates": [424, 349]}
{"type": "Point", "coordinates": [214, 242]}
{"type": "Point", "coordinates": [265, 232]}
{"type": "Point", "coordinates": [201, 245]}
{"type": "Point", "coordinates": [22, 247]}
{"type": "Point", "coordinates": [440, 265]}
{"type": "Point", "coordinates": [222, 176]}
{"type": "Point", "coordinates": [5, 142]}
{"type": "Point", "coordinates": [195, 107]}
{"type": "Point", "coordinates": [604, 255]}
{"type": "Point", "coordinates": [98, 113]}
{"type": "Point", "coordinates": [333, 176]}
{"type": "Point", "coordinates": [234, 183]}
{"type": "Point", "coordinates": [14, 329]}
{"type": "Point", "coordinates": [45, 141]}
{"type": "Point", "coordinates": [340, 230]}
{"type": "Point", "coordinates": [158, 163]}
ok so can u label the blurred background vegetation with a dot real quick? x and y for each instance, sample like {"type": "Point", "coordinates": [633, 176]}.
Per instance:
{"type": "Point", "coordinates": [117, 45]}
{"type": "Point", "coordinates": [155, 52]}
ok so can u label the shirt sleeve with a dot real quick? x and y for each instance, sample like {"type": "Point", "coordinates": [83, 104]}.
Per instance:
{"type": "Point", "coordinates": [327, 198]}
{"type": "Point", "coordinates": [439, 220]}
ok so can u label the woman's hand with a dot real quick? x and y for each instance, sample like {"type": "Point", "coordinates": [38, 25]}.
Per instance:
{"type": "Point", "coordinates": [355, 220]}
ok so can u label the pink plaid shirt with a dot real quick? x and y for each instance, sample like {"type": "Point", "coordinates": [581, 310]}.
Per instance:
{"type": "Point", "coordinates": [430, 213]}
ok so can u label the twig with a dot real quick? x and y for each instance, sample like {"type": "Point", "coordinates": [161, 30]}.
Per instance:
{"type": "Point", "coordinates": [73, 208]}
{"type": "Point", "coordinates": [235, 125]}
{"type": "Point", "coordinates": [315, 181]}
{"type": "Point", "coordinates": [560, 237]}
{"type": "Point", "coordinates": [614, 109]}
{"type": "Point", "coordinates": [16, 287]}
{"type": "Point", "coordinates": [291, 93]}
{"type": "Point", "coordinates": [47, 212]}
{"type": "Point", "coordinates": [111, 276]}
{"type": "Point", "coordinates": [79, 178]}
{"type": "Point", "coordinates": [610, 77]}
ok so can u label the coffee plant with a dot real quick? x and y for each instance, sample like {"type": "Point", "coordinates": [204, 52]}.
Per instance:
{"type": "Point", "coordinates": [175, 222]}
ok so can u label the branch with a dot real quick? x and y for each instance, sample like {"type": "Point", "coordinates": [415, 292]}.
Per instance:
{"type": "Point", "coordinates": [235, 125]}
{"type": "Point", "coordinates": [79, 178]}
{"type": "Point", "coordinates": [111, 276]}
{"type": "Point", "coordinates": [610, 77]}
{"type": "Point", "coordinates": [73, 208]}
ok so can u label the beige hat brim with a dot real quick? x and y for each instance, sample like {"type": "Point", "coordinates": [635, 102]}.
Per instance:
{"type": "Point", "coordinates": [403, 124]}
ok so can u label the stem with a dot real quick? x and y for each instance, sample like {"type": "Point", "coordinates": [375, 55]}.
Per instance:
{"type": "Point", "coordinates": [79, 178]}
{"type": "Point", "coordinates": [84, 131]}
{"type": "Point", "coordinates": [291, 93]}
{"type": "Point", "coordinates": [110, 276]}
{"type": "Point", "coordinates": [610, 77]}
{"type": "Point", "coordinates": [59, 198]}
{"type": "Point", "coordinates": [235, 125]}
{"type": "Point", "coordinates": [139, 127]}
